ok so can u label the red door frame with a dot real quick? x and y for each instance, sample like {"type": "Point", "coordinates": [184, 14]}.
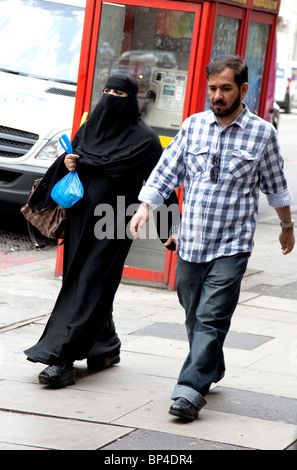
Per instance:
{"type": "Point", "coordinates": [201, 52]}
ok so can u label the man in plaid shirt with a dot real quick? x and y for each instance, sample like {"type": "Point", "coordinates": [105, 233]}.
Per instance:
{"type": "Point", "coordinates": [224, 157]}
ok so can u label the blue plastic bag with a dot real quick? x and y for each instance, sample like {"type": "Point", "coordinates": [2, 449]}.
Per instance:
{"type": "Point", "coordinates": [66, 144]}
{"type": "Point", "coordinates": [68, 190]}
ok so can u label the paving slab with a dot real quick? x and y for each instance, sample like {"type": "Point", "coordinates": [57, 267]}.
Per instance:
{"type": "Point", "coordinates": [253, 404]}
{"type": "Point", "coordinates": [72, 403]}
{"type": "Point", "coordinates": [177, 331]}
{"type": "Point", "coordinates": [179, 350]}
{"type": "Point", "coordinates": [257, 380]}
{"type": "Point", "coordinates": [161, 441]}
{"type": "Point", "coordinates": [238, 430]}
{"type": "Point", "coordinates": [55, 434]}
{"type": "Point", "coordinates": [273, 303]}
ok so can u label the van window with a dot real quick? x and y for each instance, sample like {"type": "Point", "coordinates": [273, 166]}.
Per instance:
{"type": "Point", "coordinates": [41, 39]}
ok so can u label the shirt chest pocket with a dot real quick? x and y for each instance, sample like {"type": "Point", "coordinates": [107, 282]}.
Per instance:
{"type": "Point", "coordinates": [197, 158]}
{"type": "Point", "coordinates": [242, 163]}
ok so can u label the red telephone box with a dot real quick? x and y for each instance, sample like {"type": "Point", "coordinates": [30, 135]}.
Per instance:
{"type": "Point", "coordinates": [166, 46]}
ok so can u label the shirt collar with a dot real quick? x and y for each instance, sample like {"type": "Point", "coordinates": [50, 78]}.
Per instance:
{"type": "Point", "coordinates": [240, 121]}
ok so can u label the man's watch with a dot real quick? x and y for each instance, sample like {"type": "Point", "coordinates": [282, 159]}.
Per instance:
{"type": "Point", "coordinates": [287, 224]}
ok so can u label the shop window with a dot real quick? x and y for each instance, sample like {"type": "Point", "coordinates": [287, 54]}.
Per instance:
{"type": "Point", "coordinates": [225, 36]}
{"type": "Point", "coordinates": [225, 40]}
{"type": "Point", "coordinates": [255, 57]}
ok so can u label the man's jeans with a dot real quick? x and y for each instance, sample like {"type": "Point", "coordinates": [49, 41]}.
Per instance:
{"type": "Point", "coordinates": [209, 293]}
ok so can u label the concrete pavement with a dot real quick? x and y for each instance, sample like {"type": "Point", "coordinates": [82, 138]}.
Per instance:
{"type": "Point", "coordinates": [126, 407]}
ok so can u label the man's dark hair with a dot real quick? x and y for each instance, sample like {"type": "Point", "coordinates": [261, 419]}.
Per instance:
{"type": "Point", "coordinates": [233, 62]}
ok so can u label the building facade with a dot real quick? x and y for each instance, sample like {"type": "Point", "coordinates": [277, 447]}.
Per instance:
{"type": "Point", "coordinates": [287, 31]}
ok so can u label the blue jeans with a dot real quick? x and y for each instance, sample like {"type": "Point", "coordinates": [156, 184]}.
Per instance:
{"type": "Point", "coordinates": [209, 294]}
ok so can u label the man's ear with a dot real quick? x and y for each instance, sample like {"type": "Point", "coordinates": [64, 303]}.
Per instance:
{"type": "Point", "coordinates": [244, 89]}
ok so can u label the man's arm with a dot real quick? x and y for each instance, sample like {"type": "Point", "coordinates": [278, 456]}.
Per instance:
{"type": "Point", "coordinates": [286, 238]}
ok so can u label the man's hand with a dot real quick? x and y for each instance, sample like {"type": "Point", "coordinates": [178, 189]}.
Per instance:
{"type": "Point", "coordinates": [287, 240]}
{"type": "Point", "coordinates": [139, 219]}
{"type": "Point", "coordinates": [172, 238]}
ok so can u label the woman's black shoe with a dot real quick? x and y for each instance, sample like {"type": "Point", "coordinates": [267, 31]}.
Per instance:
{"type": "Point", "coordinates": [57, 376]}
{"type": "Point", "coordinates": [97, 363]}
{"type": "Point", "coordinates": [183, 409]}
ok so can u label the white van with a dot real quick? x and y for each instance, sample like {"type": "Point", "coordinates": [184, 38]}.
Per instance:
{"type": "Point", "coordinates": [293, 92]}
{"type": "Point", "coordinates": [40, 43]}
{"type": "Point", "coordinates": [286, 72]}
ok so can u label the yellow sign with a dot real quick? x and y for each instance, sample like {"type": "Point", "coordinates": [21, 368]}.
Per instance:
{"type": "Point", "coordinates": [84, 118]}
{"type": "Point", "coordinates": [267, 4]}
{"type": "Point", "coordinates": [165, 140]}
{"type": "Point", "coordinates": [243, 2]}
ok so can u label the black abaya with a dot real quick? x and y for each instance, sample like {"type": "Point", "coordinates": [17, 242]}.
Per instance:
{"type": "Point", "coordinates": [81, 323]}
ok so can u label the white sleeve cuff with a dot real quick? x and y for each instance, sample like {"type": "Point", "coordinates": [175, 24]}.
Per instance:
{"type": "Point", "coordinates": [151, 197]}
{"type": "Point", "coordinates": [281, 199]}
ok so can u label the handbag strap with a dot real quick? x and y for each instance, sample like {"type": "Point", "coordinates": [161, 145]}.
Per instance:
{"type": "Point", "coordinates": [34, 242]}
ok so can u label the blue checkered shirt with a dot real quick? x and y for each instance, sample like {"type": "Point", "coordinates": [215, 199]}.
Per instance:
{"type": "Point", "coordinates": [219, 219]}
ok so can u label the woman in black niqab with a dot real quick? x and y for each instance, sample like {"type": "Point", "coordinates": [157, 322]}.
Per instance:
{"type": "Point", "coordinates": [117, 151]}
{"type": "Point", "coordinates": [115, 139]}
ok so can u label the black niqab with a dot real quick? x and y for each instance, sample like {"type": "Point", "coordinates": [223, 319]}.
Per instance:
{"type": "Point", "coordinates": [115, 139]}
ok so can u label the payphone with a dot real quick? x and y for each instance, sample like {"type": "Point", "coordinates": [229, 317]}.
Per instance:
{"type": "Point", "coordinates": [162, 106]}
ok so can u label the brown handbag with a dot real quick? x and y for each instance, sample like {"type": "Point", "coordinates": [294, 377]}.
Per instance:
{"type": "Point", "coordinates": [49, 221]}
